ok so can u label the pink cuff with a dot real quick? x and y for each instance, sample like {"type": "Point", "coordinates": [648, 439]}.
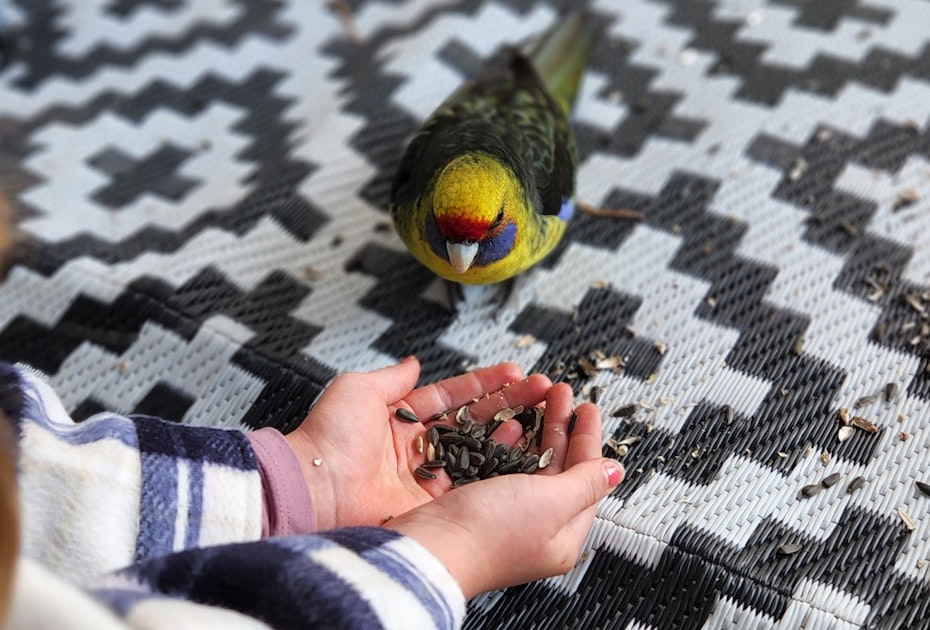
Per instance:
{"type": "Point", "coordinates": [286, 505]}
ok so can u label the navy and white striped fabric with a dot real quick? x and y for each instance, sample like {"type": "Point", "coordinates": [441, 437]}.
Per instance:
{"type": "Point", "coordinates": [162, 522]}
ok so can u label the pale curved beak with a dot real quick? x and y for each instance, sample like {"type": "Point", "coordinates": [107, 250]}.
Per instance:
{"type": "Point", "coordinates": [461, 255]}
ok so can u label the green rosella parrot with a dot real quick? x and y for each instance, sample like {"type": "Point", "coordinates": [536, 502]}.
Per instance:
{"type": "Point", "coordinates": [485, 189]}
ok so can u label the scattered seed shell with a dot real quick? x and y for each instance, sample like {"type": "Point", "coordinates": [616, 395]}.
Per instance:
{"type": "Point", "coordinates": [845, 433]}
{"type": "Point", "coordinates": [461, 415]}
{"type": "Point", "coordinates": [923, 487]}
{"type": "Point", "coordinates": [843, 413]}
{"type": "Point", "coordinates": [789, 549]}
{"type": "Point", "coordinates": [318, 461]}
{"type": "Point", "coordinates": [504, 414]}
{"type": "Point", "coordinates": [908, 521]}
{"type": "Point", "coordinates": [865, 425]}
{"type": "Point", "coordinates": [864, 401]}
{"type": "Point", "coordinates": [546, 457]}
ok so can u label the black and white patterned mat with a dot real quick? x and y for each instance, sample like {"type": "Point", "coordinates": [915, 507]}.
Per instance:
{"type": "Point", "coordinates": [205, 185]}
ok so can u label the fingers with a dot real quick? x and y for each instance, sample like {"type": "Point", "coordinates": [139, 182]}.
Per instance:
{"type": "Point", "coordinates": [390, 383]}
{"type": "Point", "coordinates": [586, 439]}
{"type": "Point", "coordinates": [580, 487]}
{"type": "Point", "coordinates": [495, 388]}
{"type": "Point", "coordinates": [454, 392]}
{"type": "Point", "coordinates": [527, 392]}
{"type": "Point", "coordinates": [559, 403]}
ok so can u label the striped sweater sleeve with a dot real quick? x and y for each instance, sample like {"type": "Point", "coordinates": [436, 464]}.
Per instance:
{"type": "Point", "coordinates": [348, 578]}
{"type": "Point", "coordinates": [171, 515]}
{"type": "Point", "coordinates": [114, 490]}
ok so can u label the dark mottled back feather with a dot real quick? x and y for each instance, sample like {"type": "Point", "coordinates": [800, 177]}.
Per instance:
{"type": "Point", "coordinates": [507, 112]}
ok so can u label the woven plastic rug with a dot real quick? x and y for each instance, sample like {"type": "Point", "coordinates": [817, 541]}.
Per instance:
{"type": "Point", "coordinates": [204, 184]}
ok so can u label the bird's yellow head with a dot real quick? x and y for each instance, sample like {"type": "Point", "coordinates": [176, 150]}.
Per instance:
{"type": "Point", "coordinates": [471, 222]}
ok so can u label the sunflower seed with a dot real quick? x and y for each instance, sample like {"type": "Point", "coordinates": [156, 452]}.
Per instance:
{"type": "Point", "coordinates": [478, 431]}
{"type": "Point", "coordinates": [440, 451]}
{"type": "Point", "coordinates": [406, 415]}
{"type": "Point", "coordinates": [463, 481]}
{"type": "Point", "coordinates": [433, 436]}
{"type": "Point", "coordinates": [430, 451]}
{"type": "Point", "coordinates": [488, 450]}
{"type": "Point", "coordinates": [571, 422]}
{"type": "Point", "coordinates": [488, 467]}
{"type": "Point", "coordinates": [436, 463]}
{"type": "Point", "coordinates": [423, 473]}
{"type": "Point", "coordinates": [789, 549]}
{"type": "Point", "coordinates": [810, 490]}
{"type": "Point", "coordinates": [890, 390]}
{"type": "Point", "coordinates": [545, 458]}
{"type": "Point", "coordinates": [923, 487]}
{"type": "Point", "coordinates": [855, 484]}
{"type": "Point", "coordinates": [464, 459]}
{"type": "Point", "coordinates": [625, 411]}
{"type": "Point", "coordinates": [530, 464]}
{"type": "Point", "coordinates": [450, 439]}
{"type": "Point", "coordinates": [419, 444]}
{"type": "Point", "coordinates": [471, 443]}
{"type": "Point", "coordinates": [510, 467]}
{"type": "Point", "coordinates": [461, 415]}
{"type": "Point", "coordinates": [729, 414]}
{"type": "Point", "coordinates": [441, 415]}
{"type": "Point", "coordinates": [830, 480]}
{"type": "Point", "coordinates": [908, 520]}
{"type": "Point", "coordinates": [477, 458]}
{"type": "Point", "coordinates": [493, 427]}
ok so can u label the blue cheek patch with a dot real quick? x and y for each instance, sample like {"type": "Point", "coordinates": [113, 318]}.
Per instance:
{"type": "Point", "coordinates": [567, 211]}
{"type": "Point", "coordinates": [437, 241]}
{"type": "Point", "coordinates": [494, 249]}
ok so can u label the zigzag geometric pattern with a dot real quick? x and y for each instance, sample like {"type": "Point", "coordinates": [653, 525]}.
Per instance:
{"type": "Point", "coordinates": [204, 186]}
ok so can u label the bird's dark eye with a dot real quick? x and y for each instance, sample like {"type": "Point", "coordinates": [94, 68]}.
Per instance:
{"type": "Point", "coordinates": [498, 218]}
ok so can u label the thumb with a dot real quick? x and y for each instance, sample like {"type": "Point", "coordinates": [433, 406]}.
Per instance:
{"type": "Point", "coordinates": [586, 483]}
{"type": "Point", "coordinates": [394, 381]}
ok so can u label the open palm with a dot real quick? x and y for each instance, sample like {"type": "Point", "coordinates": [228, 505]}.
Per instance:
{"type": "Point", "coordinates": [359, 458]}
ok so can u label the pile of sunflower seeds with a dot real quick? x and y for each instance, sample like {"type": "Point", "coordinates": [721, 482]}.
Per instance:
{"type": "Point", "coordinates": [467, 452]}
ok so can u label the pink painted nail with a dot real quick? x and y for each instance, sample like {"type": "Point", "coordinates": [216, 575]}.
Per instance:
{"type": "Point", "coordinates": [614, 473]}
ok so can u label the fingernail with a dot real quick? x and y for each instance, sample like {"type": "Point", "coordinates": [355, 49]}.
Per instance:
{"type": "Point", "coordinates": [407, 358]}
{"type": "Point", "coordinates": [614, 473]}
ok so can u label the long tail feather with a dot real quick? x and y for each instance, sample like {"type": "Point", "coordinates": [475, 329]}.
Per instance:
{"type": "Point", "coordinates": [561, 56]}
